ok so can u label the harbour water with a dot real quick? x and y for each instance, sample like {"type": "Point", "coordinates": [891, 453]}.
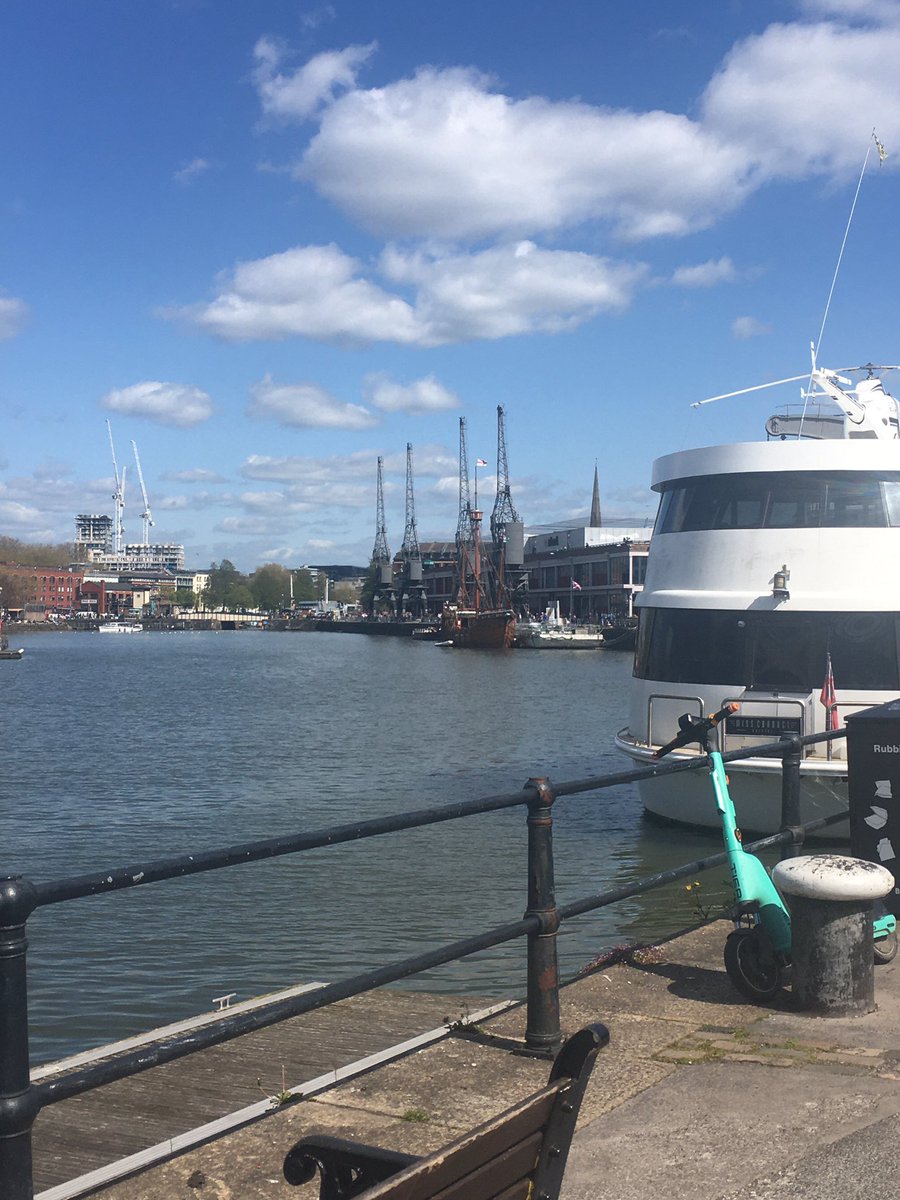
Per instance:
{"type": "Point", "coordinates": [120, 751]}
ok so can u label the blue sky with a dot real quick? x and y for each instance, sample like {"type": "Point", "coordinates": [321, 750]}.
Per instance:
{"type": "Point", "coordinates": [269, 242]}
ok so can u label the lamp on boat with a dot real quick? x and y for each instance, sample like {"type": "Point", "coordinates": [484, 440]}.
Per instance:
{"type": "Point", "coordinates": [779, 584]}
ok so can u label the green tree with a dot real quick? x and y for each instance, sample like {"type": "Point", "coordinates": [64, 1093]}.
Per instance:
{"type": "Point", "coordinates": [185, 597]}
{"type": "Point", "coordinates": [304, 587]}
{"type": "Point", "coordinates": [223, 577]}
{"type": "Point", "coordinates": [345, 593]}
{"type": "Point", "coordinates": [271, 587]}
{"type": "Point", "coordinates": [35, 554]}
{"type": "Point", "coordinates": [239, 595]}
{"type": "Point", "coordinates": [15, 590]}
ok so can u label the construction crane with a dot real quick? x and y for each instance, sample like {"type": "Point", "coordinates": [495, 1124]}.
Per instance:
{"type": "Point", "coordinates": [118, 495]}
{"type": "Point", "coordinates": [411, 594]}
{"type": "Point", "coordinates": [507, 531]}
{"type": "Point", "coordinates": [146, 518]}
{"type": "Point", "coordinates": [381, 554]}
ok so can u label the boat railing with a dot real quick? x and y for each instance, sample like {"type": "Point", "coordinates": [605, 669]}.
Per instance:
{"type": "Point", "coordinates": [759, 720]}
{"type": "Point", "coordinates": [22, 1099]}
{"type": "Point", "coordinates": [669, 706]}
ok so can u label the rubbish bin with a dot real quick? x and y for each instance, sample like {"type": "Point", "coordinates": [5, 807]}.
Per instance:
{"type": "Point", "coordinates": [873, 768]}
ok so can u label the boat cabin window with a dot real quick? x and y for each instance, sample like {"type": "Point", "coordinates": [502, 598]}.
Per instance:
{"type": "Point", "coordinates": [780, 500]}
{"type": "Point", "coordinates": [768, 650]}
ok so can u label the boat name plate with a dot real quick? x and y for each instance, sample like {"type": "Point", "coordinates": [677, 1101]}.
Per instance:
{"type": "Point", "coordinates": [745, 726]}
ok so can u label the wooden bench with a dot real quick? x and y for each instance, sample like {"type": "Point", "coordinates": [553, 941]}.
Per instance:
{"type": "Point", "coordinates": [519, 1155]}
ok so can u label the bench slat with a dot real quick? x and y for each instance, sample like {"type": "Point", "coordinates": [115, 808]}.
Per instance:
{"type": "Point", "coordinates": [459, 1160]}
{"type": "Point", "coordinates": [510, 1171]}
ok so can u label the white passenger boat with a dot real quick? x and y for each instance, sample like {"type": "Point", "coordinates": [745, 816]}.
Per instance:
{"type": "Point", "coordinates": [773, 580]}
{"type": "Point", "coordinates": [554, 633]}
{"type": "Point", "coordinates": [119, 627]}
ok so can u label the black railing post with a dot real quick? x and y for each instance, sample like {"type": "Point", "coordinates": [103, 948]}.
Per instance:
{"type": "Point", "coordinates": [542, 1032]}
{"type": "Point", "coordinates": [790, 795]}
{"type": "Point", "coordinates": [18, 1100]}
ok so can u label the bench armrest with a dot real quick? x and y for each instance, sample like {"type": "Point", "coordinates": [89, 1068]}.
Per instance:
{"type": "Point", "coordinates": [346, 1168]}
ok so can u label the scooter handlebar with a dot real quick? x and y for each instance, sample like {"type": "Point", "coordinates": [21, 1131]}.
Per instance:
{"type": "Point", "coordinates": [695, 729]}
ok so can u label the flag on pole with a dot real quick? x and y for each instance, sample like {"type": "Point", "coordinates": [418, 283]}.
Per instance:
{"type": "Point", "coordinates": [828, 698]}
{"type": "Point", "coordinates": [480, 462]}
{"type": "Point", "coordinates": [576, 585]}
{"type": "Point", "coordinates": [882, 153]}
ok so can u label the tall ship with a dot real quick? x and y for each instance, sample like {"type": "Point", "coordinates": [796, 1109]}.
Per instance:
{"type": "Point", "coordinates": [481, 616]}
{"type": "Point", "coordinates": [773, 581]}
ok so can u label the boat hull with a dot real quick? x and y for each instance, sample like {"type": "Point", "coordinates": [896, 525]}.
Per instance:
{"type": "Point", "coordinates": [559, 640]}
{"type": "Point", "coordinates": [686, 797]}
{"type": "Point", "coordinates": [490, 630]}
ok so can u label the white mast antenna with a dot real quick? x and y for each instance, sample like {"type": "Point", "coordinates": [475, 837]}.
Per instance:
{"type": "Point", "coordinates": [146, 518]}
{"type": "Point", "coordinates": [817, 345]}
{"type": "Point", "coordinates": [118, 495]}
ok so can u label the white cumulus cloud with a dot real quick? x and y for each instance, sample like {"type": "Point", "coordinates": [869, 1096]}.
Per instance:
{"type": "Point", "coordinates": [749, 327]}
{"type": "Point", "coordinates": [444, 154]}
{"type": "Point", "coordinates": [306, 406]}
{"type": "Point", "coordinates": [320, 293]}
{"type": "Point", "coordinates": [300, 93]}
{"type": "Point", "coordinates": [177, 404]}
{"type": "Point", "coordinates": [310, 291]}
{"type": "Point", "coordinates": [192, 170]}
{"type": "Point", "coordinates": [720, 270]}
{"type": "Point", "coordinates": [422, 395]}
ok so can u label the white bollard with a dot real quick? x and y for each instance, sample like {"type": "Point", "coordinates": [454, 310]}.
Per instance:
{"type": "Point", "coordinates": [830, 897]}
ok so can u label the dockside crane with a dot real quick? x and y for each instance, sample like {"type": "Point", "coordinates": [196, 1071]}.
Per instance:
{"type": "Point", "coordinates": [118, 496]}
{"type": "Point", "coordinates": [382, 564]}
{"type": "Point", "coordinates": [411, 591]}
{"type": "Point", "coordinates": [146, 518]}
{"type": "Point", "coordinates": [507, 532]}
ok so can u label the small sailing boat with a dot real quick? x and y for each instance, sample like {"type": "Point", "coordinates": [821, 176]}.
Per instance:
{"type": "Point", "coordinates": [5, 651]}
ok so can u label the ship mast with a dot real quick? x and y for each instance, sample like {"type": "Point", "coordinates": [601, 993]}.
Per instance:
{"type": "Point", "coordinates": [464, 543]}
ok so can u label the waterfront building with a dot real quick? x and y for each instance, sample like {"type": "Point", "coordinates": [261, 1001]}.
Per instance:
{"type": "Point", "coordinates": [46, 590]}
{"type": "Point", "coordinates": [593, 573]}
{"type": "Point", "coordinates": [157, 556]}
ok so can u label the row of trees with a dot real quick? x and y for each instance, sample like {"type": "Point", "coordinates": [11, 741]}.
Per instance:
{"type": "Point", "coordinates": [270, 587]}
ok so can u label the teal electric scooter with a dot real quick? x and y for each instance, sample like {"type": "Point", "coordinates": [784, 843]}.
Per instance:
{"type": "Point", "coordinates": [758, 950]}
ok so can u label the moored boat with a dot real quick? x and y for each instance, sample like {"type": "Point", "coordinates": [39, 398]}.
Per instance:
{"type": "Point", "coordinates": [758, 592]}
{"type": "Point", "coordinates": [5, 652]}
{"type": "Point", "coordinates": [473, 629]}
{"type": "Point", "coordinates": [119, 627]}
{"type": "Point", "coordinates": [552, 632]}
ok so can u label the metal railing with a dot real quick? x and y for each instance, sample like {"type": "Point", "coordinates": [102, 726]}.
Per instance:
{"type": "Point", "coordinates": [21, 1100]}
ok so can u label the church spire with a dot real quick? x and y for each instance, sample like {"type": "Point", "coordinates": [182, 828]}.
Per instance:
{"type": "Point", "coordinates": [595, 521]}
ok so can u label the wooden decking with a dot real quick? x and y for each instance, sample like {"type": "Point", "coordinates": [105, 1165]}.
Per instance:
{"type": "Point", "coordinates": [84, 1134]}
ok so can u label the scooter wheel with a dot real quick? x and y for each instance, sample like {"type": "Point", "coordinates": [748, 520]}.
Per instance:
{"type": "Point", "coordinates": [886, 947]}
{"type": "Point", "coordinates": [751, 968]}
